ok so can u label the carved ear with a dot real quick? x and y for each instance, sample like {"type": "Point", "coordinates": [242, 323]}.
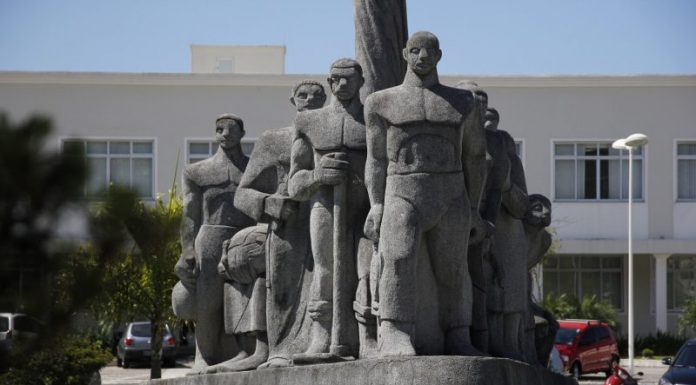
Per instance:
{"type": "Point", "coordinates": [292, 100]}
{"type": "Point", "coordinates": [330, 81]}
{"type": "Point", "coordinates": [404, 53]}
{"type": "Point", "coordinates": [439, 54]}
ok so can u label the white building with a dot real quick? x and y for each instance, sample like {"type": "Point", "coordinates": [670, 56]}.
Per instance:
{"type": "Point", "coordinates": [135, 126]}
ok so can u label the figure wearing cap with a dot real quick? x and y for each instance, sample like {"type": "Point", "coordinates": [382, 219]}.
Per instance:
{"type": "Point", "coordinates": [209, 219]}
{"type": "Point", "coordinates": [327, 166]}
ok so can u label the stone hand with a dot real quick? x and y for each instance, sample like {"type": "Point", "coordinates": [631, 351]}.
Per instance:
{"type": "Point", "coordinates": [245, 262]}
{"type": "Point", "coordinates": [374, 222]}
{"type": "Point", "coordinates": [280, 207]}
{"type": "Point", "coordinates": [332, 169]}
{"type": "Point", "coordinates": [480, 229]}
{"type": "Point", "coordinates": [186, 270]}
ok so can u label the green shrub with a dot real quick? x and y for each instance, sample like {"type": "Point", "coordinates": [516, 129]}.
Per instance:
{"type": "Point", "coordinates": [647, 353]}
{"type": "Point", "coordinates": [661, 344]}
{"type": "Point", "coordinates": [687, 320]}
{"type": "Point", "coordinates": [67, 360]}
{"type": "Point", "coordinates": [566, 306]}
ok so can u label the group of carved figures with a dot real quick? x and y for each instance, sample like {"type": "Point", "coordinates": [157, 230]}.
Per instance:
{"type": "Point", "coordinates": [401, 227]}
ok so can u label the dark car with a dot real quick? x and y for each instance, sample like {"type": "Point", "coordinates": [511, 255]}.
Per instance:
{"type": "Point", "coordinates": [682, 369]}
{"type": "Point", "coordinates": [586, 346]}
{"type": "Point", "coordinates": [134, 345]}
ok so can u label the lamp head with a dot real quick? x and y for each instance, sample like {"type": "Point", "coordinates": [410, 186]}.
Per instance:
{"type": "Point", "coordinates": [619, 144]}
{"type": "Point", "coordinates": [636, 140]}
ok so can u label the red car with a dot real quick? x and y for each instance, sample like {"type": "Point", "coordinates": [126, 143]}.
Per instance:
{"type": "Point", "coordinates": [586, 346]}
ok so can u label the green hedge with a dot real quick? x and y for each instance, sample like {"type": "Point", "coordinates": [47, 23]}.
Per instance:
{"type": "Point", "coordinates": [66, 360]}
{"type": "Point", "coordinates": [661, 344]}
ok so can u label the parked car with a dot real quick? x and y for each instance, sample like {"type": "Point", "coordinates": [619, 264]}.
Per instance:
{"type": "Point", "coordinates": [134, 345]}
{"type": "Point", "coordinates": [586, 346]}
{"type": "Point", "coordinates": [682, 369]}
{"type": "Point", "coordinates": [16, 326]}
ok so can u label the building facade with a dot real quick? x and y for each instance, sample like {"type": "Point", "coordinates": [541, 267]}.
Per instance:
{"type": "Point", "coordinates": [136, 128]}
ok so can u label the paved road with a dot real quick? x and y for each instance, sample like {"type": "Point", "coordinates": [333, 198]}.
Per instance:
{"type": "Point", "coordinates": [650, 376]}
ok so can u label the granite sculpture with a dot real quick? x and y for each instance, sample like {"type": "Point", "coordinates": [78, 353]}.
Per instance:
{"type": "Point", "coordinates": [327, 167]}
{"type": "Point", "coordinates": [425, 172]}
{"type": "Point", "coordinates": [209, 219]}
{"type": "Point", "coordinates": [263, 195]}
{"type": "Point", "coordinates": [541, 325]}
{"type": "Point", "coordinates": [381, 31]}
{"type": "Point", "coordinates": [403, 228]}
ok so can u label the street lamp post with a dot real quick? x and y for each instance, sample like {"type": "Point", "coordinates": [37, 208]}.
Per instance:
{"type": "Point", "coordinates": [630, 143]}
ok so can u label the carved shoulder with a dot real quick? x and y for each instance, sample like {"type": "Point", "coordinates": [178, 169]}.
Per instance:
{"type": "Point", "coordinates": [206, 173]}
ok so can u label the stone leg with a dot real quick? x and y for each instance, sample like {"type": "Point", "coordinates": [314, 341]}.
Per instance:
{"type": "Point", "coordinates": [512, 322]}
{"type": "Point", "coordinates": [362, 306]}
{"type": "Point", "coordinates": [212, 344]}
{"type": "Point", "coordinates": [320, 305]}
{"type": "Point", "coordinates": [399, 242]}
{"type": "Point", "coordinates": [479, 321]}
{"type": "Point", "coordinates": [447, 245]}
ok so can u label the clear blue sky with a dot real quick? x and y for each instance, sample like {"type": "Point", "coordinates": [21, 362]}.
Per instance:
{"type": "Point", "coordinates": [481, 37]}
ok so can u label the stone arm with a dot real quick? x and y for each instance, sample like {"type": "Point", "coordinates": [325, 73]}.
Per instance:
{"type": "Point", "coordinates": [186, 268]}
{"type": "Point", "coordinates": [257, 194]}
{"type": "Point", "coordinates": [474, 157]}
{"type": "Point", "coordinates": [302, 184]}
{"type": "Point", "coordinates": [375, 168]}
{"type": "Point", "coordinates": [515, 199]}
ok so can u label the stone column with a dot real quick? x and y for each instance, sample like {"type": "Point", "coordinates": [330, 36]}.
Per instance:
{"type": "Point", "coordinates": [661, 291]}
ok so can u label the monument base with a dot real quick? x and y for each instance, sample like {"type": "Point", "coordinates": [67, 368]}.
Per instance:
{"type": "Point", "coordinates": [426, 370]}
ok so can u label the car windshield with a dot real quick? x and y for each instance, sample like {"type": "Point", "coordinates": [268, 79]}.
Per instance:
{"type": "Point", "coordinates": [140, 330]}
{"type": "Point", "coordinates": [4, 324]}
{"type": "Point", "coordinates": [686, 356]}
{"type": "Point", "coordinates": [566, 336]}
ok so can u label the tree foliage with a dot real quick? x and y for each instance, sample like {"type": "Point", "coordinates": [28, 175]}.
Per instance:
{"type": "Point", "coordinates": [37, 275]}
{"type": "Point", "coordinates": [566, 306]}
{"type": "Point", "coordinates": [139, 283]}
{"type": "Point", "coordinates": [687, 320]}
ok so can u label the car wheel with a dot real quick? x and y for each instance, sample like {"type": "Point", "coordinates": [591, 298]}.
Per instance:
{"type": "Point", "coordinates": [610, 370]}
{"type": "Point", "coordinates": [576, 371]}
{"type": "Point", "coordinates": [126, 364]}
{"type": "Point", "coordinates": [169, 363]}
{"type": "Point", "coordinates": [119, 362]}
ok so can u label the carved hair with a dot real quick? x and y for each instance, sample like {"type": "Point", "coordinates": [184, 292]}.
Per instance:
{"type": "Point", "coordinates": [494, 112]}
{"type": "Point", "coordinates": [347, 63]}
{"type": "Point", "coordinates": [423, 36]}
{"type": "Point", "coordinates": [229, 116]}
{"type": "Point", "coordinates": [306, 83]}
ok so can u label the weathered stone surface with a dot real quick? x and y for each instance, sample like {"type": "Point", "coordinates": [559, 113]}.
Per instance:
{"type": "Point", "coordinates": [209, 219]}
{"type": "Point", "coordinates": [425, 171]}
{"type": "Point", "coordinates": [381, 32]}
{"type": "Point", "coordinates": [327, 168]}
{"type": "Point", "coordinates": [428, 370]}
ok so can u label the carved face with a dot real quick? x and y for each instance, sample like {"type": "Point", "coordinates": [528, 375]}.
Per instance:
{"type": "Point", "coordinates": [309, 97]}
{"type": "Point", "coordinates": [539, 211]}
{"type": "Point", "coordinates": [422, 54]}
{"type": "Point", "coordinates": [492, 120]}
{"type": "Point", "coordinates": [228, 133]}
{"type": "Point", "coordinates": [345, 83]}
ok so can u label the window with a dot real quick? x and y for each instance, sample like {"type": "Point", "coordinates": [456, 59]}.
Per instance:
{"type": "Point", "coordinates": [681, 280]}
{"type": "Point", "coordinates": [128, 163]}
{"type": "Point", "coordinates": [199, 149]}
{"type": "Point", "coordinates": [686, 171]}
{"type": "Point", "coordinates": [587, 275]}
{"type": "Point", "coordinates": [595, 171]}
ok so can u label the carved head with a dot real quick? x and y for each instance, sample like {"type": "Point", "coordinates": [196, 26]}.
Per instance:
{"type": "Point", "coordinates": [539, 213]}
{"type": "Point", "coordinates": [473, 87]}
{"type": "Point", "coordinates": [492, 119]}
{"type": "Point", "coordinates": [308, 95]}
{"type": "Point", "coordinates": [229, 131]}
{"type": "Point", "coordinates": [345, 79]}
{"type": "Point", "coordinates": [422, 53]}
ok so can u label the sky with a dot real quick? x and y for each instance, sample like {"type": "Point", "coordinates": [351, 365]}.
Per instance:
{"type": "Point", "coordinates": [484, 37]}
